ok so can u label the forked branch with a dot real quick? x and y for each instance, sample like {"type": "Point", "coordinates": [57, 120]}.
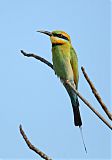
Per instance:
{"type": "Point", "coordinates": [79, 95]}
{"type": "Point", "coordinates": [89, 105]}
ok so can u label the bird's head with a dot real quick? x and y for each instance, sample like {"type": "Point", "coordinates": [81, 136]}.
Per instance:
{"type": "Point", "coordinates": [57, 37]}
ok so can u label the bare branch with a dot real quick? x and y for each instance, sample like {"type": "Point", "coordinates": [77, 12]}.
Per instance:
{"type": "Point", "coordinates": [32, 147]}
{"type": "Point", "coordinates": [89, 105]}
{"type": "Point", "coordinates": [96, 94]}
{"type": "Point", "coordinates": [37, 57]}
{"type": "Point", "coordinates": [79, 95]}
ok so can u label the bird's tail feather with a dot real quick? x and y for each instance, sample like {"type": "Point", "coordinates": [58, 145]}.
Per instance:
{"type": "Point", "coordinates": [76, 112]}
{"type": "Point", "coordinates": [75, 106]}
{"type": "Point", "coordinates": [83, 139]}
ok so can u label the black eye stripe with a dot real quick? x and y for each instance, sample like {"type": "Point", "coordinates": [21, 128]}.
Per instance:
{"type": "Point", "coordinates": [60, 36]}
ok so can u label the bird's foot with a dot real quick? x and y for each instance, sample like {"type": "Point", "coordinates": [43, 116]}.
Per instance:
{"type": "Point", "coordinates": [67, 81]}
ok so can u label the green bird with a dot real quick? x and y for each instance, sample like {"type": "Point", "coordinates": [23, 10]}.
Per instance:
{"type": "Point", "coordinates": [65, 65]}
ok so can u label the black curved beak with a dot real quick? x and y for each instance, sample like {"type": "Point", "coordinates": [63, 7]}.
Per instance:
{"type": "Point", "coordinates": [46, 32]}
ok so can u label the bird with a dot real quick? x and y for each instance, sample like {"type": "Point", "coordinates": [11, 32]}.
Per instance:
{"type": "Point", "coordinates": [65, 65]}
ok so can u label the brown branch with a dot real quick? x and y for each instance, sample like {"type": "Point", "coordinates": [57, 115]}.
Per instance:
{"type": "Point", "coordinates": [79, 95]}
{"type": "Point", "coordinates": [96, 94]}
{"type": "Point", "coordinates": [32, 147]}
{"type": "Point", "coordinates": [89, 105]}
{"type": "Point", "coordinates": [37, 57]}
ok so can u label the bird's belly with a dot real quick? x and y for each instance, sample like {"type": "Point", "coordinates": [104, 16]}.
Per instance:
{"type": "Point", "coordinates": [62, 66]}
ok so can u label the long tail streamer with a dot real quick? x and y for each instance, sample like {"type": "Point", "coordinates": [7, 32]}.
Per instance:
{"type": "Point", "coordinates": [83, 139]}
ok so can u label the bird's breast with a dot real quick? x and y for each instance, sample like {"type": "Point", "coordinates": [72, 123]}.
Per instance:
{"type": "Point", "coordinates": [61, 62]}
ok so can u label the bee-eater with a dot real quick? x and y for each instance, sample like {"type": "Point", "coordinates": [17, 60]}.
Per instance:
{"type": "Point", "coordinates": [65, 65]}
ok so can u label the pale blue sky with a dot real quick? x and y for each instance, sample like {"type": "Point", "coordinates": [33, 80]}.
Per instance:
{"type": "Point", "coordinates": [30, 92]}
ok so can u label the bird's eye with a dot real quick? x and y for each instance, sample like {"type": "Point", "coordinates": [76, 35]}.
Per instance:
{"type": "Point", "coordinates": [60, 36]}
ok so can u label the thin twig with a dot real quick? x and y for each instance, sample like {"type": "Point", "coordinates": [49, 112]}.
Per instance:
{"type": "Point", "coordinates": [79, 95]}
{"type": "Point", "coordinates": [96, 94]}
{"type": "Point", "coordinates": [37, 57]}
{"type": "Point", "coordinates": [32, 147]}
{"type": "Point", "coordinates": [89, 105]}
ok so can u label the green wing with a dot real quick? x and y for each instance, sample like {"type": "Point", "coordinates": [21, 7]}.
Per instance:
{"type": "Point", "coordinates": [74, 64]}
